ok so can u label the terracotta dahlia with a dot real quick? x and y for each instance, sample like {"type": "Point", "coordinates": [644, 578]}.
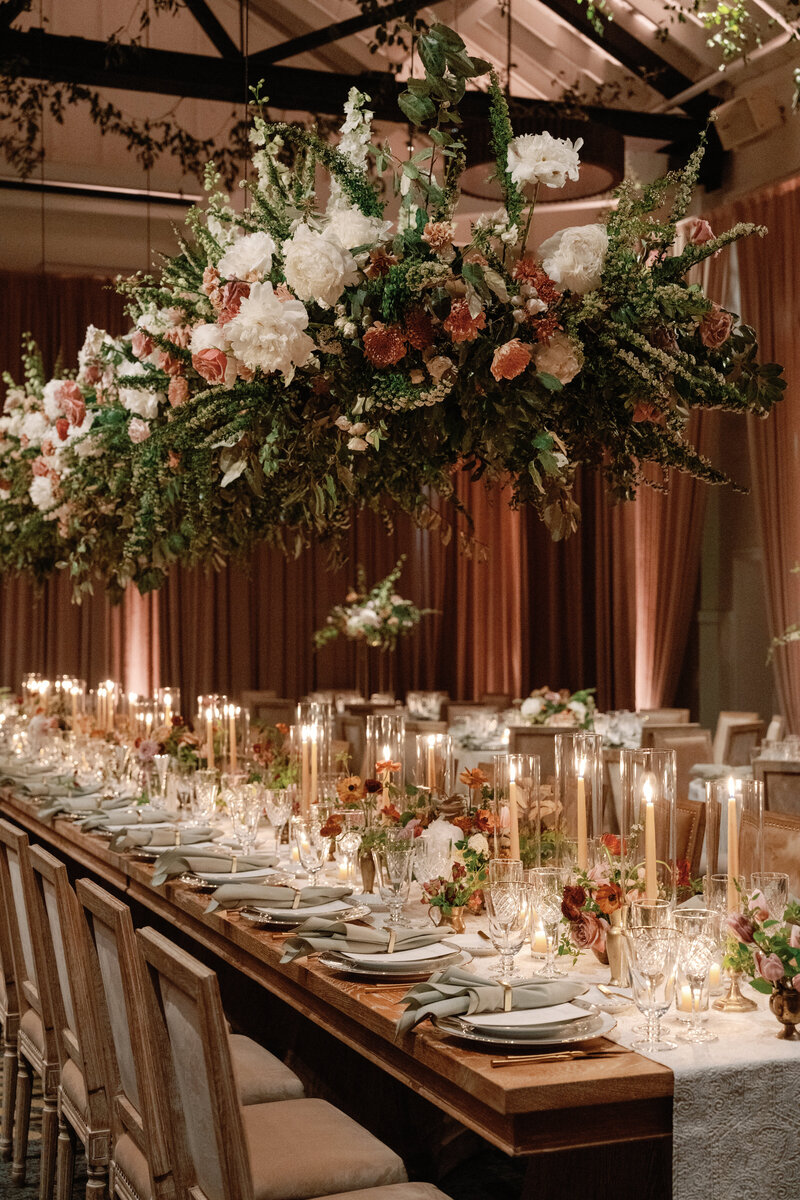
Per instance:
{"type": "Point", "coordinates": [380, 262]}
{"type": "Point", "coordinates": [384, 345]}
{"type": "Point", "coordinates": [510, 359]}
{"type": "Point", "coordinates": [460, 323]}
{"type": "Point", "coordinates": [419, 330]}
{"type": "Point", "coordinates": [527, 270]}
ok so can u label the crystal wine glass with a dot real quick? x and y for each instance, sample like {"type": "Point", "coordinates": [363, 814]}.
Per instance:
{"type": "Point", "coordinates": [646, 914]}
{"type": "Point", "coordinates": [547, 891]}
{"type": "Point", "coordinates": [697, 949]}
{"type": "Point", "coordinates": [508, 909]}
{"type": "Point", "coordinates": [206, 790]}
{"type": "Point", "coordinates": [432, 857]}
{"type": "Point", "coordinates": [312, 847]}
{"type": "Point", "coordinates": [773, 886]}
{"type": "Point", "coordinates": [652, 952]}
{"type": "Point", "coordinates": [394, 862]}
{"type": "Point", "coordinates": [278, 808]}
{"type": "Point", "coordinates": [245, 807]}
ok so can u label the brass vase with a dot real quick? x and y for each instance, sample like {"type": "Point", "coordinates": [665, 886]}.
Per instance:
{"type": "Point", "coordinates": [615, 949]}
{"type": "Point", "coordinates": [785, 1003]}
{"type": "Point", "coordinates": [367, 866]}
{"type": "Point", "coordinates": [458, 919]}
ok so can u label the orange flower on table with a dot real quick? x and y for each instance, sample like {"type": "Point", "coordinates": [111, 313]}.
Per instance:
{"type": "Point", "coordinates": [612, 842]}
{"type": "Point", "coordinates": [381, 767]}
{"type": "Point", "coordinates": [609, 897]}
{"type": "Point", "coordinates": [384, 345]}
{"type": "Point", "coordinates": [510, 359]}
{"type": "Point", "coordinates": [484, 820]}
{"type": "Point", "coordinates": [473, 778]}
{"type": "Point", "coordinates": [462, 823]}
{"type": "Point", "coordinates": [391, 814]}
{"type": "Point", "coordinates": [351, 788]}
{"type": "Point", "coordinates": [380, 263]}
{"type": "Point", "coordinates": [282, 727]}
{"type": "Point", "coordinates": [460, 323]}
{"type": "Point", "coordinates": [332, 827]}
{"type": "Point", "coordinates": [527, 270]}
{"type": "Point", "coordinates": [439, 235]}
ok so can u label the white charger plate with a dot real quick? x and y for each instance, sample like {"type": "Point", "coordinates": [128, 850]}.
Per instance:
{"type": "Point", "coordinates": [335, 960]}
{"type": "Point", "coordinates": [594, 1026]}
{"type": "Point", "coordinates": [399, 959]}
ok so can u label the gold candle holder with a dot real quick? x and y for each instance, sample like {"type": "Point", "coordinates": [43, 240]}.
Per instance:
{"type": "Point", "coordinates": [734, 1001]}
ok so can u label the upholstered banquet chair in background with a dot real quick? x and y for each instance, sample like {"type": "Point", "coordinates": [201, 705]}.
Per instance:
{"type": "Point", "coordinates": [86, 1083]}
{"type": "Point", "coordinates": [664, 716]}
{"type": "Point", "coordinates": [537, 739]}
{"type": "Point", "coordinates": [690, 829]}
{"type": "Point", "coordinates": [742, 739]}
{"type": "Point", "coordinates": [37, 1039]}
{"type": "Point", "coordinates": [288, 1150]}
{"type": "Point", "coordinates": [269, 709]}
{"type": "Point", "coordinates": [725, 720]}
{"type": "Point", "coordinates": [691, 747]}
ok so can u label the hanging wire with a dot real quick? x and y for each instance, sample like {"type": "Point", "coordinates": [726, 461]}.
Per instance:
{"type": "Point", "coordinates": [42, 215]}
{"type": "Point", "coordinates": [244, 41]}
{"type": "Point", "coordinates": [148, 211]}
{"type": "Point", "coordinates": [509, 63]}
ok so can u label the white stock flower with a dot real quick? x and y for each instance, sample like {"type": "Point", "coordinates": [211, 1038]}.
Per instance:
{"type": "Point", "coordinates": [575, 257]}
{"type": "Point", "coordinates": [350, 228]}
{"type": "Point", "coordinates": [34, 426]}
{"type": "Point", "coordinates": [41, 492]}
{"type": "Point", "coordinates": [562, 357]}
{"type": "Point", "coordinates": [142, 401]}
{"type": "Point", "coordinates": [222, 231]}
{"type": "Point", "coordinates": [249, 257]}
{"type": "Point", "coordinates": [541, 158]}
{"type": "Point", "coordinates": [317, 267]}
{"type": "Point", "coordinates": [532, 706]}
{"type": "Point", "coordinates": [269, 333]}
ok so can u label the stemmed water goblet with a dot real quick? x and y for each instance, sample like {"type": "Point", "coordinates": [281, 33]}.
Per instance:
{"type": "Point", "coordinates": [394, 862]}
{"type": "Point", "coordinates": [697, 950]}
{"type": "Point", "coordinates": [159, 797]}
{"type": "Point", "coordinates": [206, 790]}
{"type": "Point", "coordinates": [508, 909]}
{"type": "Point", "coordinates": [647, 914]}
{"type": "Point", "coordinates": [773, 888]}
{"type": "Point", "coordinates": [245, 807]}
{"type": "Point", "coordinates": [312, 847]}
{"type": "Point", "coordinates": [546, 886]}
{"type": "Point", "coordinates": [652, 953]}
{"type": "Point", "coordinates": [432, 857]}
{"type": "Point", "coordinates": [349, 843]}
{"type": "Point", "coordinates": [278, 807]}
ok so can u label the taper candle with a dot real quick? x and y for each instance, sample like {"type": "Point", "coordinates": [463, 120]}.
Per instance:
{"type": "Point", "coordinates": [432, 762]}
{"type": "Point", "coordinates": [650, 860]}
{"type": "Point", "coordinates": [733, 848]}
{"type": "Point", "coordinates": [513, 810]}
{"type": "Point", "coordinates": [314, 786]}
{"type": "Point", "coordinates": [583, 840]}
{"type": "Point", "coordinates": [210, 738]}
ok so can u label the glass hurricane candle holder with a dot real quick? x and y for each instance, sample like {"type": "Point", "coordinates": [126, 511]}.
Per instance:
{"type": "Point", "coordinates": [30, 690]}
{"type": "Point", "coordinates": [517, 823]}
{"type": "Point", "coordinates": [435, 763]}
{"type": "Point", "coordinates": [321, 713]}
{"type": "Point", "coordinates": [143, 717]}
{"type": "Point", "coordinates": [168, 700]}
{"type": "Point", "coordinates": [735, 830]}
{"type": "Point", "coordinates": [386, 744]}
{"type": "Point", "coordinates": [648, 787]}
{"type": "Point", "coordinates": [578, 796]}
{"type": "Point", "coordinates": [211, 727]}
{"type": "Point", "coordinates": [236, 733]}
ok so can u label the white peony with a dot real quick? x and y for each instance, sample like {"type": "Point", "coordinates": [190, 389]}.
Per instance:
{"type": "Point", "coordinates": [579, 709]}
{"type": "Point", "coordinates": [50, 399]}
{"type": "Point", "coordinates": [350, 228]}
{"type": "Point", "coordinates": [479, 843]}
{"type": "Point", "coordinates": [249, 257]}
{"type": "Point", "coordinates": [562, 357]}
{"type": "Point", "coordinates": [532, 706]}
{"type": "Point", "coordinates": [575, 257]}
{"type": "Point", "coordinates": [269, 333]}
{"type": "Point", "coordinates": [541, 158]}
{"type": "Point", "coordinates": [208, 337]}
{"type": "Point", "coordinates": [317, 267]}
{"type": "Point", "coordinates": [41, 492]}
{"type": "Point", "coordinates": [34, 427]}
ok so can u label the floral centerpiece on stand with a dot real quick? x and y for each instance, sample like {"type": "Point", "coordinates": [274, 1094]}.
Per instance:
{"type": "Point", "coordinates": [571, 709]}
{"type": "Point", "coordinates": [377, 616]}
{"type": "Point", "coordinates": [307, 358]}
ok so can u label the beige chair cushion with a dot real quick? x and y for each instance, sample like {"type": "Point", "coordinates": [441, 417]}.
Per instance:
{"type": "Point", "coordinates": [129, 1160]}
{"type": "Point", "coordinates": [260, 1076]}
{"type": "Point", "coordinates": [74, 1086]}
{"type": "Point", "coordinates": [302, 1148]}
{"type": "Point", "coordinates": [30, 1024]}
{"type": "Point", "coordinates": [394, 1191]}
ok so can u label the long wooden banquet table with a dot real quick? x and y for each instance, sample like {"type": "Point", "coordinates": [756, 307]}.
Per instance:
{"type": "Point", "coordinates": [604, 1122]}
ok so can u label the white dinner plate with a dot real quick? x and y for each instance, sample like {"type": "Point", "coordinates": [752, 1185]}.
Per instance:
{"type": "Point", "coordinates": [298, 915]}
{"type": "Point", "coordinates": [477, 946]}
{"type": "Point", "coordinates": [335, 960]}
{"type": "Point", "coordinates": [220, 877]}
{"type": "Point", "coordinates": [595, 1025]}
{"type": "Point", "coordinates": [400, 958]}
{"type": "Point", "coordinates": [531, 1019]}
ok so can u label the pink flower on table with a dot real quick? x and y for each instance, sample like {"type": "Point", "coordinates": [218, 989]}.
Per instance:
{"type": "Point", "coordinates": [233, 294]}
{"type": "Point", "coordinates": [146, 750]}
{"type": "Point", "coordinates": [212, 364]}
{"type": "Point", "coordinates": [178, 391]}
{"type": "Point", "coordinates": [715, 327]}
{"type": "Point", "coordinates": [73, 404]}
{"type": "Point", "coordinates": [700, 232]}
{"type": "Point", "coordinates": [796, 983]}
{"type": "Point", "coordinates": [741, 928]}
{"type": "Point", "coordinates": [40, 467]}
{"type": "Point", "coordinates": [141, 344]}
{"type": "Point", "coordinates": [48, 448]}
{"type": "Point", "coordinates": [600, 873]}
{"type": "Point", "coordinates": [588, 932]}
{"type": "Point", "coordinates": [794, 937]}
{"type": "Point", "coordinates": [169, 364]}
{"type": "Point", "coordinates": [138, 430]}
{"type": "Point", "coordinates": [768, 966]}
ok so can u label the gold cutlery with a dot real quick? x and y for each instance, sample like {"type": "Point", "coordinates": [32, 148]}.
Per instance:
{"type": "Point", "coordinates": [557, 1056]}
{"type": "Point", "coordinates": [607, 991]}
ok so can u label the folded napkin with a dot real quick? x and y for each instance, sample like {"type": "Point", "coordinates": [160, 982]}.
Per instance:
{"type": "Point", "coordinates": [77, 802]}
{"type": "Point", "coordinates": [231, 895]}
{"type": "Point", "coordinates": [124, 817]}
{"type": "Point", "coordinates": [134, 839]}
{"type": "Point", "coordinates": [323, 933]}
{"type": "Point", "coordinates": [173, 862]}
{"type": "Point", "coordinates": [454, 991]}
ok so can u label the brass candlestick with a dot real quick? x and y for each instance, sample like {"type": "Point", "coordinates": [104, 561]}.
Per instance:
{"type": "Point", "coordinates": [734, 1001]}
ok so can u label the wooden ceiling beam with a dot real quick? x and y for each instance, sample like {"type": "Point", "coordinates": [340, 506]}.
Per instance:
{"type": "Point", "coordinates": [213, 28]}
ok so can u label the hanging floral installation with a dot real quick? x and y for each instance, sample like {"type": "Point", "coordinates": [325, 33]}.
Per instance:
{"type": "Point", "coordinates": [307, 358]}
{"type": "Point", "coordinates": [376, 615]}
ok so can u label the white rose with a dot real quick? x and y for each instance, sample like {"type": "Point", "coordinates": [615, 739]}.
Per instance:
{"type": "Point", "coordinates": [50, 401]}
{"type": "Point", "coordinates": [541, 158]}
{"type": "Point", "coordinates": [575, 257]}
{"type": "Point", "coordinates": [350, 228]}
{"type": "Point", "coordinates": [318, 267]}
{"type": "Point", "coordinates": [34, 427]}
{"type": "Point", "coordinates": [579, 709]}
{"type": "Point", "coordinates": [270, 333]}
{"type": "Point", "coordinates": [41, 492]}
{"type": "Point", "coordinates": [208, 337]}
{"type": "Point", "coordinates": [532, 706]}
{"type": "Point", "coordinates": [249, 257]}
{"type": "Point", "coordinates": [92, 344]}
{"type": "Point", "coordinates": [142, 401]}
{"type": "Point", "coordinates": [562, 357]}
{"type": "Point", "coordinates": [478, 843]}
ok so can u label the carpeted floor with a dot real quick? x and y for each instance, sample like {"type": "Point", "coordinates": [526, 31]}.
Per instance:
{"type": "Point", "coordinates": [30, 1189]}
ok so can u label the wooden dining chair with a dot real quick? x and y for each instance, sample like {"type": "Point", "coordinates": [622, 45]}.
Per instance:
{"type": "Point", "coordinates": [652, 733]}
{"type": "Point", "coordinates": [9, 1019]}
{"type": "Point", "coordinates": [725, 720]}
{"type": "Point", "coordinates": [776, 730]}
{"type": "Point", "coordinates": [354, 732]}
{"type": "Point", "coordinates": [289, 1150]}
{"type": "Point", "coordinates": [87, 1077]}
{"type": "Point", "coordinates": [741, 740]}
{"type": "Point", "coordinates": [537, 739]}
{"type": "Point", "coordinates": [37, 1046]}
{"type": "Point", "coordinates": [455, 710]}
{"type": "Point", "coordinates": [498, 700]}
{"type": "Point", "coordinates": [691, 747]}
{"type": "Point", "coordinates": [690, 828]}
{"type": "Point", "coordinates": [782, 846]}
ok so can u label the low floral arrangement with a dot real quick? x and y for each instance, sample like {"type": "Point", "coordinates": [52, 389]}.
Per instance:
{"type": "Point", "coordinates": [763, 949]}
{"type": "Point", "coordinates": [464, 887]}
{"type": "Point", "coordinates": [571, 709]}
{"type": "Point", "coordinates": [377, 615]}
{"type": "Point", "coordinates": [407, 808]}
{"type": "Point", "coordinates": [307, 358]}
{"type": "Point", "coordinates": [272, 763]}
{"type": "Point", "coordinates": [180, 742]}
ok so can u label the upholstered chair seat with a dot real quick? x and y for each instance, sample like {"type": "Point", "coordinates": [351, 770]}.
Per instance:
{"type": "Point", "coordinates": [392, 1191]}
{"type": "Point", "coordinates": [260, 1076]}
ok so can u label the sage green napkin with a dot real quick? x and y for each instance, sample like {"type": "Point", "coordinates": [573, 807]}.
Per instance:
{"type": "Point", "coordinates": [322, 933]}
{"type": "Point", "coordinates": [134, 839]}
{"type": "Point", "coordinates": [231, 895]}
{"type": "Point", "coordinates": [175, 862]}
{"type": "Point", "coordinates": [76, 802]}
{"type": "Point", "coordinates": [122, 818]}
{"type": "Point", "coordinates": [454, 991]}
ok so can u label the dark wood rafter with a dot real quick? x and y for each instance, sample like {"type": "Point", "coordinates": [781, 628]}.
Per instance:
{"type": "Point", "coordinates": [167, 72]}
{"type": "Point", "coordinates": [212, 28]}
{"type": "Point", "coordinates": [335, 32]}
{"type": "Point", "coordinates": [10, 10]}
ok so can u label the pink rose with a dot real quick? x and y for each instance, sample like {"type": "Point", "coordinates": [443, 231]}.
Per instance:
{"type": "Point", "coordinates": [62, 428]}
{"type": "Point", "coordinates": [168, 364]}
{"type": "Point", "coordinates": [741, 927]}
{"type": "Point", "coordinates": [769, 966]}
{"type": "Point", "coordinates": [796, 983]}
{"type": "Point", "coordinates": [715, 327]}
{"type": "Point", "coordinates": [178, 391]}
{"type": "Point", "coordinates": [91, 373]}
{"type": "Point", "coordinates": [138, 430]}
{"type": "Point", "coordinates": [588, 933]}
{"type": "Point", "coordinates": [141, 344]}
{"type": "Point", "coordinates": [73, 404]}
{"type": "Point", "coordinates": [794, 937]}
{"type": "Point", "coordinates": [233, 294]}
{"type": "Point", "coordinates": [700, 232]}
{"type": "Point", "coordinates": [48, 448]}
{"type": "Point", "coordinates": [179, 336]}
{"type": "Point", "coordinates": [211, 364]}
{"type": "Point", "coordinates": [40, 467]}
